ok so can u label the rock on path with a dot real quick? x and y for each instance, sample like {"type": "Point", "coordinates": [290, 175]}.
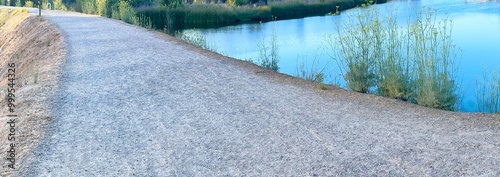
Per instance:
{"type": "Point", "coordinates": [133, 103]}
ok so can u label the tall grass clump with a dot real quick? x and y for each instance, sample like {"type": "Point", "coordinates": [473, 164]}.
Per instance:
{"type": "Point", "coordinates": [144, 22]}
{"type": "Point", "coordinates": [488, 92]}
{"type": "Point", "coordinates": [417, 63]}
{"type": "Point", "coordinates": [4, 16]}
{"type": "Point", "coordinates": [311, 71]}
{"type": "Point", "coordinates": [268, 52]}
{"type": "Point", "coordinates": [308, 71]}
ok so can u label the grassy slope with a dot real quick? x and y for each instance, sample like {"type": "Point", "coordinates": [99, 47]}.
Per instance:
{"type": "Point", "coordinates": [36, 48]}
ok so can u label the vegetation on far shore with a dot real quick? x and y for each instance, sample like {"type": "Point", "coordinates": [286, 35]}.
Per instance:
{"type": "Point", "coordinates": [172, 15]}
{"type": "Point", "coordinates": [203, 15]}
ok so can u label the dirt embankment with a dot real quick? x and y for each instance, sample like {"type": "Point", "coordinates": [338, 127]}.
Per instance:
{"type": "Point", "coordinates": [31, 50]}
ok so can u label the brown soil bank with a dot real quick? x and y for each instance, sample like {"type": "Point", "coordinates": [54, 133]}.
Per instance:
{"type": "Point", "coordinates": [31, 49]}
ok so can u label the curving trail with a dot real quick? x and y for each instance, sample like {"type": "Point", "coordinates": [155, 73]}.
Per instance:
{"type": "Point", "coordinates": [138, 103]}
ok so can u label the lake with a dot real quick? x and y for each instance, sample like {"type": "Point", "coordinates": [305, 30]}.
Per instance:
{"type": "Point", "coordinates": [476, 31]}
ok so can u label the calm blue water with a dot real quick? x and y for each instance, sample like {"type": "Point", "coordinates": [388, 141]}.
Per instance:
{"type": "Point", "coordinates": [476, 30]}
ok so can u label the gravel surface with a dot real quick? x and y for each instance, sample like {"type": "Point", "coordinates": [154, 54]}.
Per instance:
{"type": "Point", "coordinates": [138, 103]}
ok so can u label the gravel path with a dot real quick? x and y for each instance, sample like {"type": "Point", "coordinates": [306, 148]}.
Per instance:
{"type": "Point", "coordinates": [134, 103]}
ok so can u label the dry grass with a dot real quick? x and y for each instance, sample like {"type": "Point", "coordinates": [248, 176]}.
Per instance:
{"type": "Point", "coordinates": [36, 47]}
{"type": "Point", "coordinates": [4, 15]}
